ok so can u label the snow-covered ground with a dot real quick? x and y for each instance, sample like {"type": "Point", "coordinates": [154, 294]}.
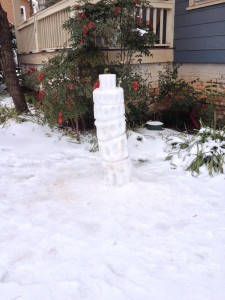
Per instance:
{"type": "Point", "coordinates": [65, 235]}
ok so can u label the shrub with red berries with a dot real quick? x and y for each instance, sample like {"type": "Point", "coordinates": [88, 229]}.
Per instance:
{"type": "Point", "coordinates": [63, 97]}
{"type": "Point", "coordinates": [110, 23]}
{"type": "Point", "coordinates": [68, 80]}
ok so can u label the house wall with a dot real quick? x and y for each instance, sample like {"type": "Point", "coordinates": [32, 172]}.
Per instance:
{"type": "Point", "coordinates": [27, 7]}
{"type": "Point", "coordinates": [199, 34]}
{"type": "Point", "coordinates": [199, 45]}
{"type": "Point", "coordinates": [8, 8]}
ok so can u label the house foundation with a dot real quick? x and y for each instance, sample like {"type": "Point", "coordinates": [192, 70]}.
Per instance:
{"type": "Point", "coordinates": [210, 79]}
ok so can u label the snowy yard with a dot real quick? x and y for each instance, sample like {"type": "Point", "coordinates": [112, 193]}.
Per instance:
{"type": "Point", "coordinates": [65, 235]}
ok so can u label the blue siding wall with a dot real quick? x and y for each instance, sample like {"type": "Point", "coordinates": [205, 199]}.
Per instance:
{"type": "Point", "coordinates": [199, 34]}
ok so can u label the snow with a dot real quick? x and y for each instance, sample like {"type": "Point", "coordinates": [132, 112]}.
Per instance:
{"type": "Point", "coordinates": [154, 123]}
{"type": "Point", "coordinates": [140, 31]}
{"type": "Point", "coordinates": [2, 86]}
{"type": "Point", "coordinates": [67, 236]}
{"type": "Point", "coordinates": [183, 148]}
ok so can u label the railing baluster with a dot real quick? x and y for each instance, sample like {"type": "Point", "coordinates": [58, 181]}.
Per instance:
{"type": "Point", "coordinates": [51, 21]}
{"type": "Point", "coordinates": [60, 14]}
{"type": "Point", "coordinates": [161, 27]}
{"type": "Point", "coordinates": [141, 14]}
{"type": "Point", "coordinates": [148, 16]}
{"type": "Point", "coordinates": [154, 19]}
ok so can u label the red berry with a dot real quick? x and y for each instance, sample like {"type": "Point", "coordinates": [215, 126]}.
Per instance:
{"type": "Point", "coordinates": [135, 86]}
{"type": "Point", "coordinates": [70, 87]}
{"type": "Point", "coordinates": [116, 10]}
{"type": "Point", "coordinates": [91, 25]}
{"type": "Point", "coordinates": [40, 77]}
{"type": "Point", "coordinates": [40, 96]}
{"type": "Point", "coordinates": [60, 120]}
{"type": "Point", "coordinates": [96, 85]}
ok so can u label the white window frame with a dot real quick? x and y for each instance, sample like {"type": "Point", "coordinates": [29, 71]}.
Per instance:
{"type": "Point", "coordinates": [194, 4]}
{"type": "Point", "coordinates": [24, 16]}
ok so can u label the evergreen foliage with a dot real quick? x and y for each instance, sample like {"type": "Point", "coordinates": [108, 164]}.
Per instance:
{"type": "Point", "coordinates": [181, 101]}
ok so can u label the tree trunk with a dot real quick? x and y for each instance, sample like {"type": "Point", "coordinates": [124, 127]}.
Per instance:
{"type": "Point", "coordinates": [8, 64]}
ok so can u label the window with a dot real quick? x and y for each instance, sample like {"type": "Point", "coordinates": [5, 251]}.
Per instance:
{"type": "Point", "coordinates": [23, 13]}
{"type": "Point", "coordinates": [193, 4]}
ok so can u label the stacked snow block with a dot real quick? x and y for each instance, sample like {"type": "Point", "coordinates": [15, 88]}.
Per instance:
{"type": "Point", "coordinates": [110, 122]}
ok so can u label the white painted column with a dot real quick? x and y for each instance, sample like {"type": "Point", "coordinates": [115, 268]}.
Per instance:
{"type": "Point", "coordinates": [110, 122]}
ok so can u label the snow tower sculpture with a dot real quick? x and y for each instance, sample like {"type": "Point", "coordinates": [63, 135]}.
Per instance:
{"type": "Point", "coordinates": [110, 122]}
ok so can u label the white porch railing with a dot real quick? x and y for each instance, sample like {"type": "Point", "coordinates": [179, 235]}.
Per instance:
{"type": "Point", "coordinates": [43, 32]}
